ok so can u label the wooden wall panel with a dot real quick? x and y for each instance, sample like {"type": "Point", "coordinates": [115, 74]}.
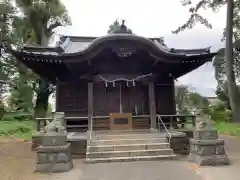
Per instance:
{"type": "Point", "coordinates": [65, 97]}
{"type": "Point", "coordinates": [165, 99]}
{"type": "Point", "coordinates": [101, 124]}
{"type": "Point", "coordinates": [135, 99]}
{"type": "Point", "coordinates": [100, 99]}
{"type": "Point", "coordinates": [81, 98]}
{"type": "Point", "coordinates": [141, 123]}
{"type": "Point", "coordinates": [72, 98]}
{"type": "Point", "coordinates": [113, 99]}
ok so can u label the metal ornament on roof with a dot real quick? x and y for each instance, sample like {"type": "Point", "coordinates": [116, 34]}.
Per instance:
{"type": "Point", "coordinates": [127, 80]}
{"type": "Point", "coordinates": [123, 52]}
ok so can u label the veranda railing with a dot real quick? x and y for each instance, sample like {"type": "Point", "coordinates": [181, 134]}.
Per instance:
{"type": "Point", "coordinates": [159, 128]}
{"type": "Point", "coordinates": [90, 138]}
{"type": "Point", "coordinates": [170, 121]}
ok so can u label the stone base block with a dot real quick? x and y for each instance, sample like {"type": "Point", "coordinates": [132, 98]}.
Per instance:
{"type": "Point", "coordinates": [37, 140]}
{"type": "Point", "coordinates": [153, 130]}
{"type": "Point", "coordinates": [51, 149]}
{"type": "Point", "coordinates": [208, 134]}
{"type": "Point", "coordinates": [54, 167]}
{"type": "Point", "coordinates": [213, 160]}
{"type": "Point", "coordinates": [54, 139]}
{"type": "Point", "coordinates": [78, 147]}
{"type": "Point", "coordinates": [180, 145]}
{"type": "Point", "coordinates": [54, 158]}
{"type": "Point", "coordinates": [208, 152]}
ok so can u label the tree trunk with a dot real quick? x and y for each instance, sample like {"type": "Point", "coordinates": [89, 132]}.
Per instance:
{"type": "Point", "coordinates": [41, 106]}
{"type": "Point", "coordinates": [231, 82]}
{"type": "Point", "coordinates": [2, 110]}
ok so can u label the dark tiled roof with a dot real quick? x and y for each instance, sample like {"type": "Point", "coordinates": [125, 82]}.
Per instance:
{"type": "Point", "coordinates": [86, 47]}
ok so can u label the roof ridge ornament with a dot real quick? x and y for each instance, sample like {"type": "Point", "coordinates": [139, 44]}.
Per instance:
{"type": "Point", "coordinates": [122, 29]}
{"type": "Point", "coordinates": [123, 23]}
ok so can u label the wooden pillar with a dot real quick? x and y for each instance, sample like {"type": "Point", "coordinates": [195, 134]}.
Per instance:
{"type": "Point", "coordinates": [174, 118]}
{"type": "Point", "coordinates": [174, 97]}
{"type": "Point", "coordinates": [90, 104]}
{"type": "Point", "coordinates": [38, 125]}
{"type": "Point", "coordinates": [57, 97]}
{"type": "Point", "coordinates": [152, 105]}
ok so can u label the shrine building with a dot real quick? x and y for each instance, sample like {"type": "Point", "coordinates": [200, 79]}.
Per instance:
{"type": "Point", "coordinates": [114, 82]}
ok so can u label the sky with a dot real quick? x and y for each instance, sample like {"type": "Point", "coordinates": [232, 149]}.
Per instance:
{"type": "Point", "coordinates": [151, 18]}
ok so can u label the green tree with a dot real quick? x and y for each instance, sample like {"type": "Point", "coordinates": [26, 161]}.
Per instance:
{"type": "Point", "coordinates": [21, 94]}
{"type": "Point", "coordinates": [232, 29]}
{"type": "Point", "coordinates": [9, 67]}
{"type": "Point", "coordinates": [196, 100]}
{"type": "Point", "coordinates": [36, 26]}
{"type": "Point", "coordinates": [222, 94]}
{"type": "Point", "coordinates": [6, 16]}
{"type": "Point", "coordinates": [181, 96]}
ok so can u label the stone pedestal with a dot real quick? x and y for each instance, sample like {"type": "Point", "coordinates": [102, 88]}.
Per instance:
{"type": "Point", "coordinates": [153, 130]}
{"type": "Point", "coordinates": [37, 140]}
{"type": "Point", "coordinates": [206, 149]}
{"type": "Point", "coordinates": [54, 154]}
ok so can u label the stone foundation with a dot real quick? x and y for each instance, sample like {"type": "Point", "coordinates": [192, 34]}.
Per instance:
{"type": "Point", "coordinates": [78, 148]}
{"type": "Point", "coordinates": [37, 140]}
{"type": "Point", "coordinates": [208, 152]}
{"type": "Point", "coordinates": [180, 145]}
{"type": "Point", "coordinates": [206, 149]}
{"type": "Point", "coordinates": [54, 154]}
{"type": "Point", "coordinates": [205, 134]}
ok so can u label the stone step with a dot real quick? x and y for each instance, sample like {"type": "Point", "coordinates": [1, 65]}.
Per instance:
{"type": "Point", "coordinates": [129, 153]}
{"type": "Point", "coordinates": [129, 136]}
{"type": "Point", "coordinates": [123, 131]}
{"type": "Point", "coordinates": [126, 147]}
{"type": "Point", "coordinates": [128, 141]}
{"type": "Point", "coordinates": [129, 159]}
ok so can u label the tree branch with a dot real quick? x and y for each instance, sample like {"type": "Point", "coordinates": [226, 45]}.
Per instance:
{"type": "Point", "coordinates": [53, 26]}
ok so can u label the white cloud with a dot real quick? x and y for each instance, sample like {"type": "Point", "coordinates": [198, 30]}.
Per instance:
{"type": "Point", "coordinates": [151, 18]}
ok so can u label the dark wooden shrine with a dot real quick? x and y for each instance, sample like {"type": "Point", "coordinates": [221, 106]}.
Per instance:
{"type": "Point", "coordinates": [100, 77]}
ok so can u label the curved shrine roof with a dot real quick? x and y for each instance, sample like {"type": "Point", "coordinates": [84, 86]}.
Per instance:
{"type": "Point", "coordinates": [54, 60]}
{"type": "Point", "coordinates": [74, 44]}
{"type": "Point", "coordinates": [71, 46]}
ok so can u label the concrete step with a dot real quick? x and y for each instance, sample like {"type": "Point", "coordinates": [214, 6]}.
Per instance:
{"type": "Point", "coordinates": [129, 136]}
{"type": "Point", "coordinates": [129, 159]}
{"type": "Point", "coordinates": [128, 141]}
{"type": "Point", "coordinates": [127, 147]}
{"type": "Point", "coordinates": [118, 146]}
{"type": "Point", "coordinates": [129, 153]}
{"type": "Point", "coordinates": [122, 132]}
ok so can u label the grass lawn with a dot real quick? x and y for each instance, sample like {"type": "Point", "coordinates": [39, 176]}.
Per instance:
{"type": "Point", "coordinates": [17, 129]}
{"type": "Point", "coordinates": [232, 129]}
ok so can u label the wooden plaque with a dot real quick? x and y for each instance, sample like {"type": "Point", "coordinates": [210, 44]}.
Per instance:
{"type": "Point", "coordinates": [120, 121]}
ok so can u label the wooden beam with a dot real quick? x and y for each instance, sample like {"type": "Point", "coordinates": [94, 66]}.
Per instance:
{"type": "Point", "coordinates": [90, 104]}
{"type": "Point", "coordinates": [152, 105]}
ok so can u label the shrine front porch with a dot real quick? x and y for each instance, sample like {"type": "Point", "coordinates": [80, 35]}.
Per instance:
{"type": "Point", "coordinates": [141, 135]}
{"type": "Point", "coordinates": [130, 143]}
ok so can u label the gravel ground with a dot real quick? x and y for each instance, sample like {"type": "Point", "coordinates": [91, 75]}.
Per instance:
{"type": "Point", "coordinates": [17, 162]}
{"type": "Point", "coordinates": [140, 170]}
